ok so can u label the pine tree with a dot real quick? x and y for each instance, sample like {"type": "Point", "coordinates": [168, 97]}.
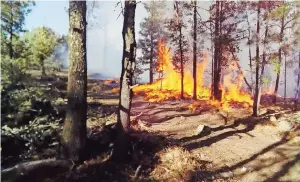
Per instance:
{"type": "Point", "coordinates": [74, 130]}
{"type": "Point", "coordinates": [152, 30]}
{"type": "Point", "coordinates": [128, 66]}
{"type": "Point", "coordinates": [13, 15]}
{"type": "Point", "coordinates": [177, 26]}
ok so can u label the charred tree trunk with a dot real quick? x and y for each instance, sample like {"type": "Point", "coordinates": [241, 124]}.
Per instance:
{"type": "Point", "coordinates": [128, 64]}
{"type": "Point", "coordinates": [217, 56]}
{"type": "Point", "coordinates": [74, 132]}
{"type": "Point", "coordinates": [195, 52]}
{"type": "Point", "coordinates": [257, 80]}
{"type": "Point", "coordinates": [181, 61]}
{"type": "Point", "coordinates": [280, 60]}
{"type": "Point", "coordinates": [151, 61]}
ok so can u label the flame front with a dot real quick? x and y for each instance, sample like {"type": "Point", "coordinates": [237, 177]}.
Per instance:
{"type": "Point", "coordinates": [168, 85]}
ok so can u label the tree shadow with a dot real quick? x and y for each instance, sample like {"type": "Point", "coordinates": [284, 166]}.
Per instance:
{"type": "Point", "coordinates": [210, 175]}
{"type": "Point", "coordinates": [284, 170]}
{"type": "Point", "coordinates": [100, 167]}
{"type": "Point", "coordinates": [249, 123]}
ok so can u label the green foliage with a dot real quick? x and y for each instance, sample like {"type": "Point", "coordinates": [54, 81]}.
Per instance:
{"type": "Point", "coordinates": [266, 80]}
{"type": "Point", "coordinates": [42, 41]}
{"type": "Point", "coordinates": [13, 71]}
{"type": "Point", "coordinates": [13, 15]}
{"type": "Point", "coordinates": [275, 63]}
{"type": "Point", "coordinates": [152, 30]}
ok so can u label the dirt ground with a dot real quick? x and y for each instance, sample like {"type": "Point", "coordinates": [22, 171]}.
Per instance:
{"type": "Point", "coordinates": [238, 148]}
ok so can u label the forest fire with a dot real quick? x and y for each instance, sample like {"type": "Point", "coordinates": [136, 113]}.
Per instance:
{"type": "Point", "coordinates": [168, 86]}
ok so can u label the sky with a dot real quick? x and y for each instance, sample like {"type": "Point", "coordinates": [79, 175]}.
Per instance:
{"type": "Point", "coordinates": [104, 34]}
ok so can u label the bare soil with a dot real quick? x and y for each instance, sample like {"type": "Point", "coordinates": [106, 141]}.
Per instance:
{"type": "Point", "coordinates": [239, 147]}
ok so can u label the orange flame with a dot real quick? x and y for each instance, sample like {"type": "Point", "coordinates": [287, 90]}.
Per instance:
{"type": "Point", "coordinates": [169, 87]}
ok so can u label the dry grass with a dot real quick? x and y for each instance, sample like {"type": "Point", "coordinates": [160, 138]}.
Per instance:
{"type": "Point", "coordinates": [176, 164]}
{"type": "Point", "coordinates": [93, 121]}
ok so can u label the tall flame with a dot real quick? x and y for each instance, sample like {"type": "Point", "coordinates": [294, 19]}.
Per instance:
{"type": "Point", "coordinates": [168, 85]}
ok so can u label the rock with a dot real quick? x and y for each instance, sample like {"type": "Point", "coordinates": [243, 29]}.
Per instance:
{"type": "Point", "coordinates": [284, 125]}
{"type": "Point", "coordinates": [273, 119]}
{"type": "Point", "coordinates": [226, 174]}
{"type": "Point", "coordinates": [203, 130]}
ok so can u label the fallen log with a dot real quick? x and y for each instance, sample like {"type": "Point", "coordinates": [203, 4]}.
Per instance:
{"type": "Point", "coordinates": [36, 170]}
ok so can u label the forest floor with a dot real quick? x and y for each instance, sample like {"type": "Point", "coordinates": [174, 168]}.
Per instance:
{"type": "Point", "coordinates": [238, 148]}
{"type": "Point", "coordinates": [168, 146]}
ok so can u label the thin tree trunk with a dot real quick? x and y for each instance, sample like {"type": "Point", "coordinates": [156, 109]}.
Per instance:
{"type": "Point", "coordinates": [42, 63]}
{"type": "Point", "coordinates": [128, 65]}
{"type": "Point", "coordinates": [298, 82]}
{"type": "Point", "coordinates": [280, 60]}
{"type": "Point", "coordinates": [11, 51]}
{"type": "Point", "coordinates": [151, 60]}
{"type": "Point", "coordinates": [195, 52]}
{"type": "Point", "coordinates": [257, 84]}
{"type": "Point", "coordinates": [249, 50]}
{"type": "Point", "coordinates": [217, 58]}
{"type": "Point", "coordinates": [284, 76]}
{"type": "Point", "coordinates": [181, 62]}
{"type": "Point", "coordinates": [212, 61]}
{"type": "Point", "coordinates": [240, 70]}
{"type": "Point", "coordinates": [74, 131]}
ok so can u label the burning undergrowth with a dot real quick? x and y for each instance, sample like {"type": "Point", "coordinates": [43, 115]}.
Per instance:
{"type": "Point", "coordinates": [168, 85]}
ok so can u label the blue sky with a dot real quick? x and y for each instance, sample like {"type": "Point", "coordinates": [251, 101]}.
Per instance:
{"type": "Point", "coordinates": [104, 34]}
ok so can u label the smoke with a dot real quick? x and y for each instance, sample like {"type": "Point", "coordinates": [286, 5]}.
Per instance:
{"type": "Point", "coordinates": [60, 54]}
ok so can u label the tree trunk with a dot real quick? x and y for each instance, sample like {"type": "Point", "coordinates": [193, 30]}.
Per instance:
{"type": "Point", "coordinates": [42, 63]}
{"type": "Point", "coordinates": [250, 55]}
{"type": "Point", "coordinates": [10, 44]}
{"type": "Point", "coordinates": [195, 52]}
{"type": "Point", "coordinates": [128, 65]}
{"type": "Point", "coordinates": [212, 61]}
{"type": "Point", "coordinates": [298, 82]}
{"type": "Point", "coordinates": [217, 58]}
{"type": "Point", "coordinates": [181, 61]}
{"type": "Point", "coordinates": [74, 132]}
{"type": "Point", "coordinates": [151, 61]}
{"type": "Point", "coordinates": [284, 76]}
{"type": "Point", "coordinates": [280, 60]}
{"type": "Point", "coordinates": [257, 81]}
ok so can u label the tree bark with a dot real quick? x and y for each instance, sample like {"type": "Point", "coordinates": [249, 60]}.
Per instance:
{"type": "Point", "coordinates": [10, 44]}
{"type": "Point", "coordinates": [212, 61]}
{"type": "Point", "coordinates": [74, 132]}
{"type": "Point", "coordinates": [217, 58]}
{"type": "Point", "coordinates": [128, 65]}
{"type": "Point", "coordinates": [257, 81]}
{"type": "Point", "coordinates": [298, 82]}
{"type": "Point", "coordinates": [280, 60]}
{"type": "Point", "coordinates": [284, 76]}
{"type": "Point", "coordinates": [181, 61]}
{"type": "Point", "coordinates": [250, 55]}
{"type": "Point", "coordinates": [42, 63]}
{"type": "Point", "coordinates": [195, 52]}
{"type": "Point", "coordinates": [151, 61]}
